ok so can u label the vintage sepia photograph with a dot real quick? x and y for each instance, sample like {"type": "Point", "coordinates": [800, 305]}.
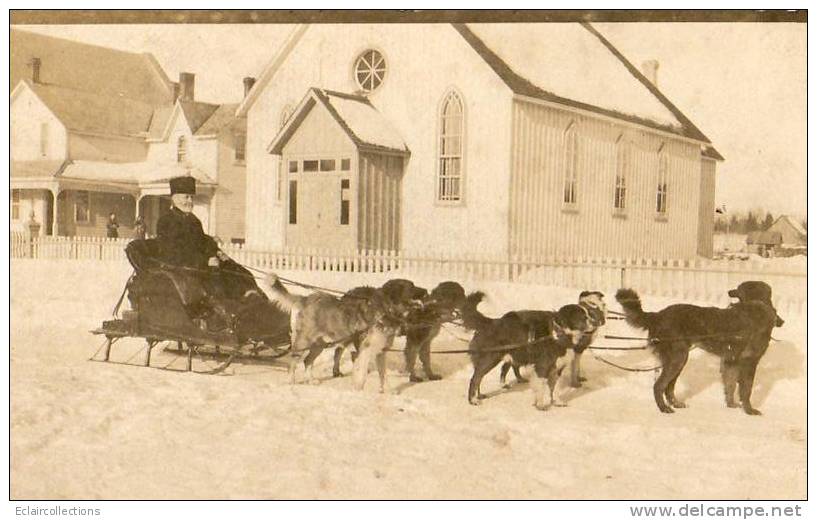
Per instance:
{"type": "Point", "coordinates": [408, 255]}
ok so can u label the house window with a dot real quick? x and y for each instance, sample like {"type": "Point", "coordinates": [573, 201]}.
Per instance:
{"type": "Point", "coordinates": [345, 165]}
{"type": "Point", "coordinates": [44, 139]}
{"type": "Point", "coordinates": [344, 202]}
{"type": "Point", "coordinates": [370, 70]}
{"type": "Point", "coordinates": [327, 165]}
{"type": "Point", "coordinates": [181, 149]}
{"type": "Point", "coordinates": [240, 141]}
{"type": "Point", "coordinates": [82, 206]}
{"type": "Point", "coordinates": [293, 202]}
{"type": "Point", "coordinates": [622, 166]}
{"type": "Point", "coordinates": [571, 159]}
{"type": "Point", "coordinates": [661, 191]}
{"type": "Point", "coordinates": [310, 166]}
{"type": "Point", "coordinates": [449, 166]}
{"type": "Point", "coordinates": [15, 204]}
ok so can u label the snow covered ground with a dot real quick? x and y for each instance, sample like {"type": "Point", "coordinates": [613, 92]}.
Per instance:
{"type": "Point", "coordinates": [89, 430]}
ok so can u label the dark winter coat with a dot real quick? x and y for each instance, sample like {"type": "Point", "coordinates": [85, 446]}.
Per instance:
{"type": "Point", "coordinates": [182, 240]}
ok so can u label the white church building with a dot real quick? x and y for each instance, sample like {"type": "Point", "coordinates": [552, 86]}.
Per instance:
{"type": "Point", "coordinates": [478, 139]}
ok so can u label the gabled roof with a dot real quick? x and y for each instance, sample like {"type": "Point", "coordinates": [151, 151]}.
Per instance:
{"type": "Point", "coordinates": [159, 121]}
{"type": "Point", "coordinates": [223, 118]}
{"type": "Point", "coordinates": [204, 119]}
{"type": "Point", "coordinates": [570, 64]}
{"type": "Point", "coordinates": [196, 113]}
{"type": "Point", "coordinates": [87, 112]}
{"type": "Point", "coordinates": [88, 68]}
{"type": "Point", "coordinates": [357, 117]}
{"type": "Point", "coordinates": [785, 219]}
{"type": "Point", "coordinates": [573, 64]}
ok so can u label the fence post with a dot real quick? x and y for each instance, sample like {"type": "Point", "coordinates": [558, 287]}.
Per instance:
{"type": "Point", "coordinates": [33, 232]}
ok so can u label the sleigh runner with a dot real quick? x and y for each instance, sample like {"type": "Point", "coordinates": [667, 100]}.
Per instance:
{"type": "Point", "coordinates": [255, 330]}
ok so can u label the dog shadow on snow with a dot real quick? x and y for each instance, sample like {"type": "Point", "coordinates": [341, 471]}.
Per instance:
{"type": "Point", "coordinates": [782, 361]}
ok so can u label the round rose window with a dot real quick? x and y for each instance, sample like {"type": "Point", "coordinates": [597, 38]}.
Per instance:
{"type": "Point", "coordinates": [370, 70]}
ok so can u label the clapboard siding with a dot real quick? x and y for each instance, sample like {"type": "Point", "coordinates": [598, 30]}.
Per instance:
{"type": "Point", "coordinates": [540, 226]}
{"type": "Point", "coordinates": [379, 201]}
{"type": "Point", "coordinates": [706, 214]}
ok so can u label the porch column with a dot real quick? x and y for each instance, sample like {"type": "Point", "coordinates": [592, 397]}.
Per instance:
{"type": "Point", "coordinates": [55, 211]}
{"type": "Point", "coordinates": [138, 198]}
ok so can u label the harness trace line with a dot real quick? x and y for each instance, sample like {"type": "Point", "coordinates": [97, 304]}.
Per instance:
{"type": "Point", "coordinates": [621, 367]}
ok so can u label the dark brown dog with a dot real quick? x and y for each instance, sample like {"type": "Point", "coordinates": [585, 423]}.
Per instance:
{"type": "Point", "coordinates": [754, 291]}
{"type": "Point", "coordinates": [424, 323]}
{"type": "Point", "coordinates": [540, 339]}
{"type": "Point", "coordinates": [739, 335]}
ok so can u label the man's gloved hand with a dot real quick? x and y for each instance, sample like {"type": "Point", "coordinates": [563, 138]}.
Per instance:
{"type": "Point", "coordinates": [213, 261]}
{"type": "Point", "coordinates": [221, 256]}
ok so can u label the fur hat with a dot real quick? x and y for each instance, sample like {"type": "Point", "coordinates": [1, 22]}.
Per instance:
{"type": "Point", "coordinates": [184, 185]}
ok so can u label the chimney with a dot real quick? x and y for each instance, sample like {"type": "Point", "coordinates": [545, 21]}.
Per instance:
{"type": "Point", "coordinates": [248, 83]}
{"type": "Point", "coordinates": [35, 69]}
{"type": "Point", "coordinates": [650, 69]}
{"type": "Point", "coordinates": [187, 86]}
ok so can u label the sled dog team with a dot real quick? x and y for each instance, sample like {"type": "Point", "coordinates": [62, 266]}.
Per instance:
{"type": "Point", "coordinates": [367, 319]}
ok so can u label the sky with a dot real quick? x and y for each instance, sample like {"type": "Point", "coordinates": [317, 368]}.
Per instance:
{"type": "Point", "coordinates": [742, 84]}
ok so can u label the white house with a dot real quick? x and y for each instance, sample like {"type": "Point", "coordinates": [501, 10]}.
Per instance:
{"type": "Point", "coordinates": [492, 139]}
{"type": "Point", "coordinates": [96, 131]}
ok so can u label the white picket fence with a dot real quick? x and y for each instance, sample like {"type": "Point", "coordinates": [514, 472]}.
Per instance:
{"type": "Point", "coordinates": [689, 280]}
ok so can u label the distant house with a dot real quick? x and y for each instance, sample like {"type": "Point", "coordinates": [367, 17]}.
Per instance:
{"type": "Point", "coordinates": [96, 131]}
{"type": "Point", "coordinates": [791, 231]}
{"type": "Point", "coordinates": [499, 139]}
{"type": "Point", "coordinates": [764, 243]}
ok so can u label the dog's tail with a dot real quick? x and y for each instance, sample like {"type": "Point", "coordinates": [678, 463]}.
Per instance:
{"type": "Point", "coordinates": [471, 317]}
{"type": "Point", "coordinates": [634, 314]}
{"type": "Point", "coordinates": [280, 295]}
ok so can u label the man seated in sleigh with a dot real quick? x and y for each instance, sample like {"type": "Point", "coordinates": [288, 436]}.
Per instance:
{"type": "Point", "coordinates": [213, 288]}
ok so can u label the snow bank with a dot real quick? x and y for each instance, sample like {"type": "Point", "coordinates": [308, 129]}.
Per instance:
{"type": "Point", "coordinates": [90, 430]}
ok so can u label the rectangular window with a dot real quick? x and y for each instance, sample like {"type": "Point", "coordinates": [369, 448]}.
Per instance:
{"type": "Point", "coordinates": [15, 204]}
{"type": "Point", "coordinates": [449, 166]}
{"type": "Point", "coordinates": [327, 165]}
{"type": "Point", "coordinates": [449, 180]}
{"type": "Point", "coordinates": [44, 139]}
{"type": "Point", "coordinates": [344, 202]}
{"type": "Point", "coordinates": [571, 158]}
{"type": "Point", "coordinates": [620, 196]}
{"type": "Point", "coordinates": [293, 202]}
{"type": "Point", "coordinates": [661, 190]}
{"type": "Point", "coordinates": [240, 141]}
{"type": "Point", "coordinates": [82, 206]}
{"type": "Point", "coordinates": [345, 165]}
{"type": "Point", "coordinates": [293, 166]}
{"type": "Point", "coordinates": [620, 189]}
{"type": "Point", "coordinates": [310, 166]}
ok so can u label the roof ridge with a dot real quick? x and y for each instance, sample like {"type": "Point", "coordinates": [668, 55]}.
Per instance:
{"type": "Point", "coordinates": [78, 42]}
{"type": "Point", "coordinates": [524, 87]}
{"type": "Point", "coordinates": [647, 83]}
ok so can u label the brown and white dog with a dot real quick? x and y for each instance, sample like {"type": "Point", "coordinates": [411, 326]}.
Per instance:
{"type": "Point", "coordinates": [320, 320]}
{"type": "Point", "coordinates": [540, 339]}
{"type": "Point", "coordinates": [593, 304]}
